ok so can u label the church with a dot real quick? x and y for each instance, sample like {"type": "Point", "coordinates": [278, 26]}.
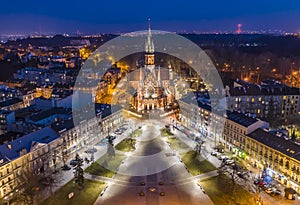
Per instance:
{"type": "Point", "coordinates": [152, 93]}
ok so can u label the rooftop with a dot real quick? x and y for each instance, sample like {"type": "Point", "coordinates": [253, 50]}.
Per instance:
{"type": "Point", "coordinates": [10, 136]}
{"type": "Point", "coordinates": [281, 144]}
{"type": "Point", "coordinates": [268, 87]}
{"type": "Point", "coordinates": [49, 113]}
{"type": "Point", "coordinates": [191, 99]}
{"type": "Point", "coordinates": [103, 109]}
{"type": "Point", "coordinates": [237, 117]}
{"type": "Point", "coordinates": [241, 118]}
{"type": "Point", "coordinates": [12, 150]}
{"type": "Point", "coordinates": [10, 102]}
{"type": "Point", "coordinates": [63, 125]}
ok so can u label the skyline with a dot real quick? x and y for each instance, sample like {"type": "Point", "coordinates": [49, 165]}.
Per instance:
{"type": "Point", "coordinates": [149, 102]}
{"type": "Point", "coordinates": [122, 17]}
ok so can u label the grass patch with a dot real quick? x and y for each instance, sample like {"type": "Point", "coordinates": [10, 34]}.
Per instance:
{"type": "Point", "coordinates": [195, 165]}
{"type": "Point", "coordinates": [126, 145]}
{"type": "Point", "coordinates": [177, 144]}
{"type": "Point", "coordinates": [166, 132]}
{"type": "Point", "coordinates": [87, 195]}
{"type": "Point", "coordinates": [98, 167]}
{"type": "Point", "coordinates": [136, 133]}
{"type": "Point", "coordinates": [222, 191]}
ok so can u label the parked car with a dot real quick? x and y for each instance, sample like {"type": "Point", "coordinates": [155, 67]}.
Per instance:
{"type": "Point", "coordinates": [261, 184]}
{"type": "Point", "coordinates": [118, 132]}
{"type": "Point", "coordinates": [214, 154]}
{"type": "Point", "coordinates": [277, 192]}
{"type": "Point", "coordinates": [229, 161]}
{"type": "Point", "coordinates": [110, 137]}
{"type": "Point", "coordinates": [73, 162]}
{"type": "Point", "coordinates": [257, 181]}
{"type": "Point", "coordinates": [223, 157]}
{"type": "Point", "coordinates": [269, 190]}
{"type": "Point", "coordinates": [91, 150]}
{"type": "Point", "coordinates": [241, 174]}
{"type": "Point", "coordinates": [272, 191]}
{"type": "Point", "coordinates": [65, 167]}
{"type": "Point", "coordinates": [266, 186]}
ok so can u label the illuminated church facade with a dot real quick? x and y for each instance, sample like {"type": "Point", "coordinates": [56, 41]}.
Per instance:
{"type": "Point", "coordinates": [152, 93]}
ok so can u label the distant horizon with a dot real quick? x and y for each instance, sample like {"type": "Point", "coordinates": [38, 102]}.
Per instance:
{"type": "Point", "coordinates": [59, 16]}
{"type": "Point", "coordinates": [79, 32]}
{"type": "Point", "coordinates": [83, 34]}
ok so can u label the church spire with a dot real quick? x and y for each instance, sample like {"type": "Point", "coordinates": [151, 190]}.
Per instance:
{"type": "Point", "coordinates": [141, 79]}
{"type": "Point", "coordinates": [149, 46]}
{"type": "Point", "coordinates": [158, 76]}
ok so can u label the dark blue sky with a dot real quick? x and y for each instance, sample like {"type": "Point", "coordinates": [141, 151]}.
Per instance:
{"type": "Point", "coordinates": [23, 16]}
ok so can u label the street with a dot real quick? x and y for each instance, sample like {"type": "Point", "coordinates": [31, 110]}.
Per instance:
{"type": "Point", "coordinates": [143, 171]}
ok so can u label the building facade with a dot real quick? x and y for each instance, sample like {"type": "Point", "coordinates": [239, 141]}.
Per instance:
{"type": "Point", "coordinates": [269, 100]}
{"type": "Point", "coordinates": [248, 137]}
{"type": "Point", "coordinates": [46, 150]}
{"type": "Point", "coordinates": [151, 93]}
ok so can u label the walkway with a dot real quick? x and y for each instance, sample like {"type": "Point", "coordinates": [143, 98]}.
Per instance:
{"type": "Point", "coordinates": [150, 165]}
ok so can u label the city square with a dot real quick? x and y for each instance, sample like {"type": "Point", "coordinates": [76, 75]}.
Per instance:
{"type": "Point", "coordinates": [149, 103]}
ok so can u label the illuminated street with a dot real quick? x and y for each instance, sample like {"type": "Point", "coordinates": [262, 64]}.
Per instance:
{"type": "Point", "coordinates": [178, 186]}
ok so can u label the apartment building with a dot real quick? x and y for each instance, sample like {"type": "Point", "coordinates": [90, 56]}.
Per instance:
{"type": "Point", "coordinates": [41, 152]}
{"type": "Point", "coordinates": [270, 100]}
{"type": "Point", "coordinates": [249, 138]}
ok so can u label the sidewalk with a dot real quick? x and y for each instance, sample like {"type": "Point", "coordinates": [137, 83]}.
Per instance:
{"type": "Point", "coordinates": [67, 176]}
{"type": "Point", "coordinates": [266, 198]}
{"type": "Point", "coordinates": [207, 147]}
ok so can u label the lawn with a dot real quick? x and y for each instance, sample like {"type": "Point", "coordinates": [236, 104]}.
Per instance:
{"type": "Point", "coordinates": [177, 144]}
{"type": "Point", "coordinates": [166, 132]}
{"type": "Point", "coordinates": [136, 133]}
{"type": "Point", "coordinates": [223, 191]}
{"type": "Point", "coordinates": [87, 195]}
{"type": "Point", "coordinates": [100, 166]}
{"type": "Point", "coordinates": [126, 145]}
{"type": "Point", "coordinates": [196, 166]}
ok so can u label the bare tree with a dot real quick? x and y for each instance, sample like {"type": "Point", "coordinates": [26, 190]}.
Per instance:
{"type": "Point", "coordinates": [28, 182]}
{"type": "Point", "coordinates": [198, 148]}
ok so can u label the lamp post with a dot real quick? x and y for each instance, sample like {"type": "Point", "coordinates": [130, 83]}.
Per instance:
{"type": "Point", "coordinates": [8, 198]}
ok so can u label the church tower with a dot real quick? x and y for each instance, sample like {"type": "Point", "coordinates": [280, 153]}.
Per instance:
{"type": "Point", "coordinates": [151, 93]}
{"type": "Point", "coordinates": [149, 49]}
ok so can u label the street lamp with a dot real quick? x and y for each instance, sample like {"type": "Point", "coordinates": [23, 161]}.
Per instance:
{"type": "Point", "coordinates": [8, 198]}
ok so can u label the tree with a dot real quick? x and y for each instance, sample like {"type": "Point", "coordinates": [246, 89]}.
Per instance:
{"type": "Point", "coordinates": [110, 147]}
{"type": "Point", "coordinates": [27, 183]}
{"type": "Point", "coordinates": [64, 155]}
{"type": "Point", "coordinates": [78, 171]}
{"type": "Point", "coordinates": [231, 169]}
{"type": "Point", "coordinates": [198, 148]}
{"type": "Point", "coordinates": [293, 136]}
{"type": "Point", "coordinates": [110, 150]}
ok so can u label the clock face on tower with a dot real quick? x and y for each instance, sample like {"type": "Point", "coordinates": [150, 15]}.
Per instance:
{"type": "Point", "coordinates": [150, 60]}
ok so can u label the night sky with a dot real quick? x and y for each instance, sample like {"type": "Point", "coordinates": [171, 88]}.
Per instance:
{"type": "Point", "coordinates": [28, 16]}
